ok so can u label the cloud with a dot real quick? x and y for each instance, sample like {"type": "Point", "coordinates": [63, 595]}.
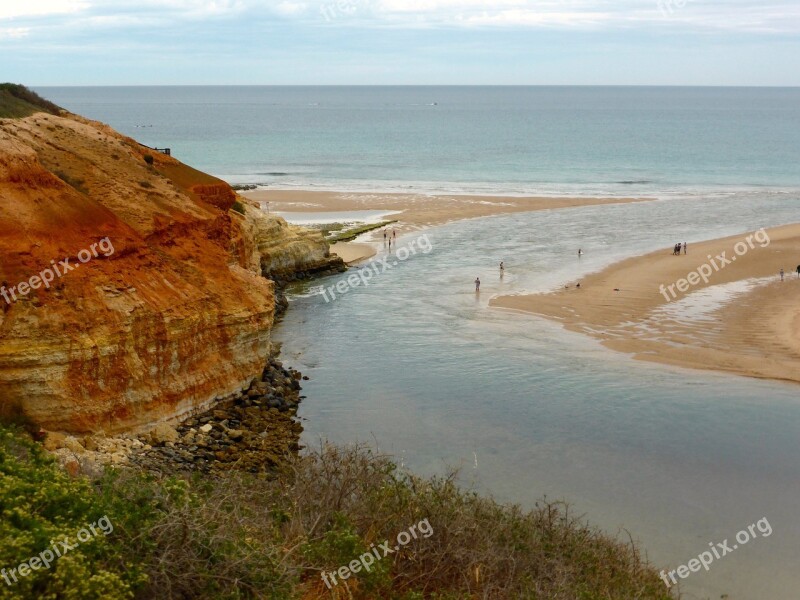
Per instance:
{"type": "Point", "coordinates": [68, 18]}
{"type": "Point", "coordinates": [40, 8]}
{"type": "Point", "coordinates": [13, 33]}
{"type": "Point", "coordinates": [740, 15]}
{"type": "Point", "coordinates": [291, 9]}
{"type": "Point", "coordinates": [532, 18]}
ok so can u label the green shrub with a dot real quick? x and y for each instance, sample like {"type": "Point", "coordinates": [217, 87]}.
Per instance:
{"type": "Point", "coordinates": [74, 182]}
{"type": "Point", "coordinates": [18, 101]}
{"type": "Point", "coordinates": [238, 207]}
{"type": "Point", "coordinates": [41, 503]}
{"type": "Point", "coordinates": [148, 158]}
{"type": "Point", "coordinates": [239, 536]}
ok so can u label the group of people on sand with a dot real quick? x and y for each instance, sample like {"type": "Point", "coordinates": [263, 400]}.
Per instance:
{"type": "Point", "coordinates": [677, 249]}
{"type": "Point", "coordinates": [390, 238]}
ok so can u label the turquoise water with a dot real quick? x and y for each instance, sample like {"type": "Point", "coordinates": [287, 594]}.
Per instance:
{"type": "Point", "coordinates": [577, 140]}
{"type": "Point", "coordinates": [420, 363]}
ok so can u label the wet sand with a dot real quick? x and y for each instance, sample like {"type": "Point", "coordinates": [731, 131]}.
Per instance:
{"type": "Point", "coordinates": [352, 252]}
{"type": "Point", "coordinates": [743, 320]}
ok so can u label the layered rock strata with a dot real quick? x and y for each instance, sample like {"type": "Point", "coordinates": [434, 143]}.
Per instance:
{"type": "Point", "coordinates": [169, 312]}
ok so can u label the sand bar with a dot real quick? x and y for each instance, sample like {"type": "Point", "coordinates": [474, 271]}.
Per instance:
{"type": "Point", "coordinates": [417, 210]}
{"type": "Point", "coordinates": [744, 320]}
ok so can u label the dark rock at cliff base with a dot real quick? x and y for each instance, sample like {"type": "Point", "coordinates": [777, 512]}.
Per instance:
{"type": "Point", "coordinates": [250, 431]}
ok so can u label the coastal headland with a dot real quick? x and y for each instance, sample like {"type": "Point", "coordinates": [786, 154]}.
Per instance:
{"type": "Point", "coordinates": [174, 311]}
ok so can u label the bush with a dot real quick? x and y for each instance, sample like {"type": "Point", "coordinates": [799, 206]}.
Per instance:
{"type": "Point", "coordinates": [148, 158]}
{"type": "Point", "coordinates": [41, 503]}
{"type": "Point", "coordinates": [238, 207]}
{"type": "Point", "coordinates": [240, 536]}
{"type": "Point", "coordinates": [74, 182]}
{"type": "Point", "coordinates": [17, 101]}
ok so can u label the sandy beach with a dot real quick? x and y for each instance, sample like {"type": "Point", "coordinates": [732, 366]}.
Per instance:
{"type": "Point", "coordinates": [417, 210]}
{"type": "Point", "coordinates": [742, 320]}
{"type": "Point", "coordinates": [353, 252]}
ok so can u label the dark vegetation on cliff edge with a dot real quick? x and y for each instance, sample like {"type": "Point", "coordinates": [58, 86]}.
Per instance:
{"type": "Point", "coordinates": [17, 101]}
{"type": "Point", "coordinates": [241, 536]}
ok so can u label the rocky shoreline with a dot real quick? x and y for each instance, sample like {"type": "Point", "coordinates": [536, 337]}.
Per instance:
{"type": "Point", "coordinates": [283, 280]}
{"type": "Point", "coordinates": [252, 430]}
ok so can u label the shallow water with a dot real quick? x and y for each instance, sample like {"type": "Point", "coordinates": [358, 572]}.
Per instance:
{"type": "Point", "coordinates": [418, 362]}
{"type": "Point", "coordinates": [702, 304]}
{"type": "Point", "coordinates": [347, 216]}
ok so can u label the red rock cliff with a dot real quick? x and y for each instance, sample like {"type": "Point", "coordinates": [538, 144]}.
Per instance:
{"type": "Point", "coordinates": [168, 312]}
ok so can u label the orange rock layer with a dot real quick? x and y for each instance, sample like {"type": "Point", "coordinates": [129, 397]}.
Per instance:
{"type": "Point", "coordinates": [170, 309]}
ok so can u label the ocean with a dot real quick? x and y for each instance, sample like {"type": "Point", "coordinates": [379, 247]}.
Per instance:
{"type": "Point", "coordinates": [420, 366]}
{"type": "Point", "coordinates": [509, 140]}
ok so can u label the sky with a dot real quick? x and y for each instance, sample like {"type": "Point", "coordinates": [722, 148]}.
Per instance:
{"type": "Point", "coordinates": [400, 42]}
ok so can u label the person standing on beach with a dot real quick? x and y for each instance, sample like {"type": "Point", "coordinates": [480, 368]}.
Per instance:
{"type": "Point", "coordinates": [580, 252]}
{"type": "Point", "coordinates": [685, 247]}
{"type": "Point", "coordinates": [394, 234]}
{"type": "Point", "coordinates": [798, 271]}
{"type": "Point", "coordinates": [384, 237]}
{"type": "Point", "coordinates": [502, 268]}
{"type": "Point", "coordinates": [781, 274]}
{"type": "Point", "coordinates": [477, 284]}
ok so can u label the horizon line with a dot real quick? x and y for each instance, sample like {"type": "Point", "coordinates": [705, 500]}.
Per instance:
{"type": "Point", "coordinates": [432, 85]}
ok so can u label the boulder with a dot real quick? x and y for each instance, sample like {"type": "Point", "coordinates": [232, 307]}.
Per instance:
{"type": "Point", "coordinates": [54, 440]}
{"type": "Point", "coordinates": [163, 433]}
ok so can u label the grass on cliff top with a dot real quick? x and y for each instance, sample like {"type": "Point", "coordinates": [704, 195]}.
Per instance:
{"type": "Point", "coordinates": [247, 537]}
{"type": "Point", "coordinates": [17, 101]}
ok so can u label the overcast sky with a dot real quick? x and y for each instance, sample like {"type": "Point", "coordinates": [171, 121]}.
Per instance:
{"type": "Point", "coordinates": [587, 42]}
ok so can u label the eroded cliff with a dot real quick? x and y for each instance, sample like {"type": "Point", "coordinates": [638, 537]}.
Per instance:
{"type": "Point", "coordinates": [169, 311]}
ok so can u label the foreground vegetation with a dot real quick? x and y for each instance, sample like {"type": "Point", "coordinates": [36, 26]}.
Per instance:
{"type": "Point", "coordinates": [246, 537]}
